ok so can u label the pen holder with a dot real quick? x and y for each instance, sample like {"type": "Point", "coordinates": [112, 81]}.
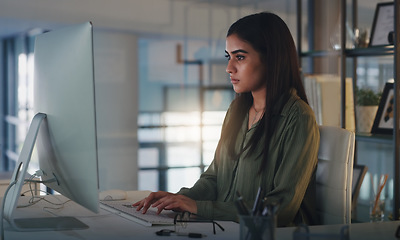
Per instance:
{"type": "Point", "coordinates": [377, 210]}
{"type": "Point", "coordinates": [257, 227]}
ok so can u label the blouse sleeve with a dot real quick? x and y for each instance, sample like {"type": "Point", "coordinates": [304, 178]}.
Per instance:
{"type": "Point", "coordinates": [205, 192]}
{"type": "Point", "coordinates": [205, 188]}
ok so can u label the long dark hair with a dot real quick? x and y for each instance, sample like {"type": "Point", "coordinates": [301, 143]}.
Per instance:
{"type": "Point", "coordinates": [269, 35]}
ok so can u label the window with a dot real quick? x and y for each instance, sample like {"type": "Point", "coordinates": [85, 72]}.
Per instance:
{"type": "Point", "coordinates": [16, 97]}
{"type": "Point", "coordinates": [180, 114]}
{"type": "Point", "coordinates": [182, 107]}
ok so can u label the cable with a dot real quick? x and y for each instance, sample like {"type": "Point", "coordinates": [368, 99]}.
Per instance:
{"type": "Point", "coordinates": [48, 209]}
{"type": "Point", "coordinates": [2, 208]}
{"type": "Point", "coordinates": [32, 201]}
{"type": "Point", "coordinates": [3, 205]}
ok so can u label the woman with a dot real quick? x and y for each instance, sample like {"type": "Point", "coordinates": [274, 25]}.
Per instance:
{"type": "Point", "coordinates": [269, 137]}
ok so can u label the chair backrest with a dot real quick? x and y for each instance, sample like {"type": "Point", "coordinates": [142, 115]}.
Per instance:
{"type": "Point", "coordinates": [335, 175]}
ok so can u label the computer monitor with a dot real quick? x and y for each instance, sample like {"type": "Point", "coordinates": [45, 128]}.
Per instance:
{"type": "Point", "coordinates": [64, 128]}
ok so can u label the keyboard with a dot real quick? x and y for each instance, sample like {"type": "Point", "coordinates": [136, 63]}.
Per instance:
{"type": "Point", "coordinates": [126, 210]}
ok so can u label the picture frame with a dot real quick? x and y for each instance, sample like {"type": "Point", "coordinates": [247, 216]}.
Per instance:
{"type": "Point", "coordinates": [382, 25]}
{"type": "Point", "coordinates": [383, 123]}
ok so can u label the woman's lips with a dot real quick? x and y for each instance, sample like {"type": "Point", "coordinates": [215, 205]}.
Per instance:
{"type": "Point", "coordinates": [234, 81]}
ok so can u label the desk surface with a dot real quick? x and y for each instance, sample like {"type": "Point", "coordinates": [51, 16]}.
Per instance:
{"type": "Point", "coordinates": [105, 225]}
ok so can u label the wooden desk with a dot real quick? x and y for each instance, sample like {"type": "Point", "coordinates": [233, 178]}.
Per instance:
{"type": "Point", "coordinates": [105, 225]}
{"type": "Point", "coordinates": [358, 231]}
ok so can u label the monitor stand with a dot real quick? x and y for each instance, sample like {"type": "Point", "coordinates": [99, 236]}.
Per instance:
{"type": "Point", "coordinates": [12, 194]}
{"type": "Point", "coordinates": [48, 224]}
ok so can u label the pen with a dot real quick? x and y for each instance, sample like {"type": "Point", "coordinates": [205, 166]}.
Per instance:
{"type": "Point", "coordinates": [241, 205]}
{"type": "Point", "coordinates": [257, 203]}
{"type": "Point", "coordinates": [271, 208]}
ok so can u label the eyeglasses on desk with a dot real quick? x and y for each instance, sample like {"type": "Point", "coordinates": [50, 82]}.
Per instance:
{"type": "Point", "coordinates": [181, 221]}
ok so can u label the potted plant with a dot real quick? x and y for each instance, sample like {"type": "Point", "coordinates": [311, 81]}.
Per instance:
{"type": "Point", "coordinates": [367, 104]}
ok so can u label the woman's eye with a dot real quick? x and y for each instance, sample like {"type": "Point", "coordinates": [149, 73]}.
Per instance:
{"type": "Point", "coordinates": [239, 57]}
{"type": "Point", "coordinates": [227, 57]}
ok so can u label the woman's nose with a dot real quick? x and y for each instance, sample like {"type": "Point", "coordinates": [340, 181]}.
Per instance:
{"type": "Point", "coordinates": [229, 68]}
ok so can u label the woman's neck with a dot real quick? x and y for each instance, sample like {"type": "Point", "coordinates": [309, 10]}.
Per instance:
{"type": "Point", "coordinates": [259, 99]}
{"type": "Point", "coordinates": [256, 112]}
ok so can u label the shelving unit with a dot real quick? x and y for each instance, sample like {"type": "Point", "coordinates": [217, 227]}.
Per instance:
{"type": "Point", "coordinates": [343, 55]}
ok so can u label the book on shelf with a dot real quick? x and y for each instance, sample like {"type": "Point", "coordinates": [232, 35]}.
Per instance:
{"type": "Point", "coordinates": [323, 93]}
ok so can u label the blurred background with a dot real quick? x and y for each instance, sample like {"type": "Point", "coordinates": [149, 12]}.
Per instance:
{"type": "Point", "coordinates": [161, 86]}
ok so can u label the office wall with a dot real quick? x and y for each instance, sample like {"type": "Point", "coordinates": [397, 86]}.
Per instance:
{"type": "Point", "coordinates": [117, 107]}
{"type": "Point", "coordinates": [118, 24]}
{"type": "Point", "coordinates": [162, 17]}
{"type": "Point", "coordinates": [140, 16]}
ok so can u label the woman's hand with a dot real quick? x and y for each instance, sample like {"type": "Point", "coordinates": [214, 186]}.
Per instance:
{"type": "Point", "coordinates": [149, 200]}
{"type": "Point", "coordinates": [168, 201]}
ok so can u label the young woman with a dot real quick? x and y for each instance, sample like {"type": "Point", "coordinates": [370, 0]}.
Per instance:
{"type": "Point", "coordinates": [269, 137]}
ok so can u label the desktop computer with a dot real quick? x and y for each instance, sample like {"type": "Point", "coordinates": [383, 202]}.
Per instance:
{"type": "Point", "coordinates": [64, 128]}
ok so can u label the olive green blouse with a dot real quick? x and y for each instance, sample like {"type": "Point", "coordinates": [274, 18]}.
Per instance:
{"type": "Point", "coordinates": [289, 176]}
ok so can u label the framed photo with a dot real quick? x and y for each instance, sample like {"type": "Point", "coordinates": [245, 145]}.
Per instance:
{"type": "Point", "coordinates": [383, 24]}
{"type": "Point", "coordinates": [383, 122]}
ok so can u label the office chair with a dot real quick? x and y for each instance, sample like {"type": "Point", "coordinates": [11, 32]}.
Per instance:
{"type": "Point", "coordinates": [334, 175]}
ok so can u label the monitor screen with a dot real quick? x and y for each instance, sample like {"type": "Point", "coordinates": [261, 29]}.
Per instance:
{"type": "Point", "coordinates": [64, 129]}
{"type": "Point", "coordinates": [64, 91]}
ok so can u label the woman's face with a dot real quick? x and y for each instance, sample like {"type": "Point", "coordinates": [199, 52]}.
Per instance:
{"type": "Point", "coordinates": [246, 71]}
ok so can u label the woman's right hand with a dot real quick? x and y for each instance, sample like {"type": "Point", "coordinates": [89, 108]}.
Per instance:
{"type": "Point", "coordinates": [146, 203]}
{"type": "Point", "coordinates": [168, 201]}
